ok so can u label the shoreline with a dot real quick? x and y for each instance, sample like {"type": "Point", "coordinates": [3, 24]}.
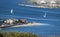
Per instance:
{"type": "Point", "coordinates": [39, 6]}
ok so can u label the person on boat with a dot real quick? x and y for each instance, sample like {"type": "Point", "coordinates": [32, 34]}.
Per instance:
{"type": "Point", "coordinates": [23, 21]}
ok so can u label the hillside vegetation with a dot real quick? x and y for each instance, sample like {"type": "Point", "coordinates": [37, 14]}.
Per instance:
{"type": "Point", "coordinates": [17, 34]}
{"type": "Point", "coordinates": [23, 34]}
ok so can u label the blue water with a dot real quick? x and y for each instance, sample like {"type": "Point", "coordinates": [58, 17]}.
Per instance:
{"type": "Point", "coordinates": [31, 14]}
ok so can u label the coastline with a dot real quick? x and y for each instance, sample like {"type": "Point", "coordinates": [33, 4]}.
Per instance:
{"type": "Point", "coordinates": [39, 6]}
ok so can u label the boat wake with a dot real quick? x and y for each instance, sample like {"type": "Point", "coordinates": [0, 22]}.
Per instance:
{"type": "Point", "coordinates": [31, 24]}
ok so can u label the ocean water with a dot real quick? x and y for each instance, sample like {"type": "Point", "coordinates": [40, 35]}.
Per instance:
{"type": "Point", "coordinates": [52, 17]}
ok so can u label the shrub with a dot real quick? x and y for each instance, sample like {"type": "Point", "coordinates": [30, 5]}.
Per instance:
{"type": "Point", "coordinates": [17, 34]}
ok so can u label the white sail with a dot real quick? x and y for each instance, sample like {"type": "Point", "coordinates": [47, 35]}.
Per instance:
{"type": "Point", "coordinates": [44, 15]}
{"type": "Point", "coordinates": [11, 11]}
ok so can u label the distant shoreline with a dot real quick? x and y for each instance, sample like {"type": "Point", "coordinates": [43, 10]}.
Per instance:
{"type": "Point", "coordinates": [39, 6]}
{"type": "Point", "coordinates": [45, 4]}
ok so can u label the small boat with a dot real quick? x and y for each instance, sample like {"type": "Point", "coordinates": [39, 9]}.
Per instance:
{"type": "Point", "coordinates": [9, 23]}
{"type": "Point", "coordinates": [16, 23]}
{"type": "Point", "coordinates": [45, 15]}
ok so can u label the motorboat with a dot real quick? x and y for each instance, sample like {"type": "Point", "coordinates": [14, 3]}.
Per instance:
{"type": "Point", "coordinates": [16, 23]}
{"type": "Point", "coordinates": [8, 23]}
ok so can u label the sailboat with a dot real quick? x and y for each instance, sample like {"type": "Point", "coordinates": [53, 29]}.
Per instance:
{"type": "Point", "coordinates": [18, 23]}
{"type": "Point", "coordinates": [45, 15]}
{"type": "Point", "coordinates": [8, 23]}
{"type": "Point", "coordinates": [11, 11]}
